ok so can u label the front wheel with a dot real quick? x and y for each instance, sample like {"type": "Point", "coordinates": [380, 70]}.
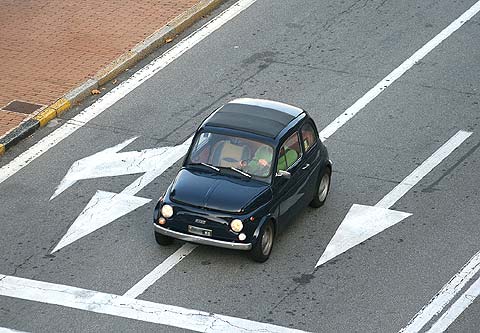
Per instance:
{"type": "Point", "coordinates": [322, 190]}
{"type": "Point", "coordinates": [162, 239]}
{"type": "Point", "coordinates": [263, 247]}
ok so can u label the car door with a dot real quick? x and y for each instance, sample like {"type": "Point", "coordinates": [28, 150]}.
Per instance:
{"type": "Point", "coordinates": [291, 191]}
{"type": "Point", "coordinates": [311, 157]}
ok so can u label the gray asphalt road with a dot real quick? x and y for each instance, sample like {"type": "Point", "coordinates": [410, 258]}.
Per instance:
{"type": "Point", "coordinates": [322, 56]}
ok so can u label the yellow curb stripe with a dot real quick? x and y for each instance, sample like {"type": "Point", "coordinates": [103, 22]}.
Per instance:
{"type": "Point", "coordinates": [45, 116]}
{"type": "Point", "coordinates": [61, 105]}
{"type": "Point", "coordinates": [2, 149]}
{"type": "Point", "coordinates": [53, 111]}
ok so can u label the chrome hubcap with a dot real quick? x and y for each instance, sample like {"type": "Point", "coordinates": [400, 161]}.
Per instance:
{"type": "Point", "coordinates": [267, 239]}
{"type": "Point", "coordinates": [323, 188]}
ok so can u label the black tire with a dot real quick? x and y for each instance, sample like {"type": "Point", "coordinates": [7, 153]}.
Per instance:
{"type": "Point", "coordinates": [162, 239]}
{"type": "Point", "coordinates": [263, 247]}
{"type": "Point", "coordinates": [322, 189]}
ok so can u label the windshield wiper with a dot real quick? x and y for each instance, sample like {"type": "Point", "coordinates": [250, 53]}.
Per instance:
{"type": "Point", "coordinates": [241, 172]}
{"type": "Point", "coordinates": [207, 165]}
{"type": "Point", "coordinates": [210, 166]}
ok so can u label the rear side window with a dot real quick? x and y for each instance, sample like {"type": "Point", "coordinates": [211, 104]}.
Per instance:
{"type": "Point", "coordinates": [289, 153]}
{"type": "Point", "coordinates": [309, 136]}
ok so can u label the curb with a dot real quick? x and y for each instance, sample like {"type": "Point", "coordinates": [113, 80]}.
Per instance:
{"type": "Point", "coordinates": [119, 65]}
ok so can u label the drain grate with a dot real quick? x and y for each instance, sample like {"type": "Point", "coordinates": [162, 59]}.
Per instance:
{"type": "Point", "coordinates": [21, 107]}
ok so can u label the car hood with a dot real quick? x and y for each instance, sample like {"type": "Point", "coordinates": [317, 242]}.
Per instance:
{"type": "Point", "coordinates": [215, 191]}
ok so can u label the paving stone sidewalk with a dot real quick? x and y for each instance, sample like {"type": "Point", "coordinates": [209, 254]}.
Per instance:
{"type": "Point", "coordinates": [48, 47]}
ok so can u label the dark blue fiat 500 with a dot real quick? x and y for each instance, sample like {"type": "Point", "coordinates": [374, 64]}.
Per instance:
{"type": "Point", "coordinates": [252, 166]}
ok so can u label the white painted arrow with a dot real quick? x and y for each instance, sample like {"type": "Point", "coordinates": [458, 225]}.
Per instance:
{"type": "Point", "coordinates": [106, 207]}
{"type": "Point", "coordinates": [110, 163]}
{"type": "Point", "coordinates": [364, 222]}
{"type": "Point", "coordinates": [361, 223]}
{"type": "Point", "coordinates": [103, 208]}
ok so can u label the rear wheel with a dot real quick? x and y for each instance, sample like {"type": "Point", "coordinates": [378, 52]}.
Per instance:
{"type": "Point", "coordinates": [263, 247]}
{"type": "Point", "coordinates": [322, 190]}
{"type": "Point", "coordinates": [162, 239]}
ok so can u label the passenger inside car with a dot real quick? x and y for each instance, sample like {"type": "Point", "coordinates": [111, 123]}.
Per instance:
{"type": "Point", "coordinates": [286, 158]}
{"type": "Point", "coordinates": [289, 153]}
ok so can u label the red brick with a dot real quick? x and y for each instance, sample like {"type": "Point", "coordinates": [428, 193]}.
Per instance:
{"type": "Point", "coordinates": [49, 47]}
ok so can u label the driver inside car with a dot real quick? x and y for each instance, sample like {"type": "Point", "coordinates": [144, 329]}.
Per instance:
{"type": "Point", "coordinates": [260, 163]}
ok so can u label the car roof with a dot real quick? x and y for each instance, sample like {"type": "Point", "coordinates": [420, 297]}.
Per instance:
{"type": "Point", "coordinates": [258, 116]}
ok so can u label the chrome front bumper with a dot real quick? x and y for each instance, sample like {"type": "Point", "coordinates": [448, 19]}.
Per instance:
{"type": "Point", "coordinates": [202, 240]}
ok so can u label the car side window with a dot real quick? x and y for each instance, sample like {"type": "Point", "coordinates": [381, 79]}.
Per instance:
{"type": "Point", "coordinates": [290, 152]}
{"type": "Point", "coordinates": [309, 136]}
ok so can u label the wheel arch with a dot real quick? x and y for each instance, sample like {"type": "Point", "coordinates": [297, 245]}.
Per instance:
{"type": "Point", "coordinates": [265, 219]}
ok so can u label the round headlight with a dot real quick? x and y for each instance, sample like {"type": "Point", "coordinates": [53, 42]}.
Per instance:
{"type": "Point", "coordinates": [236, 225]}
{"type": "Point", "coordinates": [167, 211]}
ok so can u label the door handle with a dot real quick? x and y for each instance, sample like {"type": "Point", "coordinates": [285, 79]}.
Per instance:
{"type": "Point", "coordinates": [306, 166]}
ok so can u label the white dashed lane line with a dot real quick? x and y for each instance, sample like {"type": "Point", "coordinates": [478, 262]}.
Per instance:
{"type": "Point", "coordinates": [160, 270]}
{"type": "Point", "coordinates": [398, 72]}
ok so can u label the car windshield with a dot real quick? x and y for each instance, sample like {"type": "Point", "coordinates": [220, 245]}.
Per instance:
{"type": "Point", "coordinates": [224, 151]}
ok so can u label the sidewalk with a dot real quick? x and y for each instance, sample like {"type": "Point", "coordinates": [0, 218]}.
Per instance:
{"type": "Point", "coordinates": [48, 48]}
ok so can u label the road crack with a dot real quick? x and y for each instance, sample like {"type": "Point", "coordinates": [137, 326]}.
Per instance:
{"type": "Point", "coordinates": [338, 18]}
{"type": "Point", "coordinates": [17, 267]}
{"type": "Point", "coordinates": [381, 4]}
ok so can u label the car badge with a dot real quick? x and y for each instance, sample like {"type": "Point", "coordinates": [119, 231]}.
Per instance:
{"type": "Point", "coordinates": [200, 221]}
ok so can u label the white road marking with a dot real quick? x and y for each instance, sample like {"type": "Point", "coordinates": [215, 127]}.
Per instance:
{"type": "Point", "coordinates": [457, 308]}
{"type": "Point", "coordinates": [412, 179]}
{"type": "Point", "coordinates": [106, 207]}
{"type": "Point", "coordinates": [347, 235]}
{"type": "Point", "coordinates": [360, 223]}
{"type": "Point", "coordinates": [155, 66]}
{"type": "Point", "coordinates": [398, 72]}
{"type": "Point", "coordinates": [122, 90]}
{"type": "Point", "coordinates": [110, 163]}
{"type": "Point", "coordinates": [126, 307]}
{"type": "Point", "coordinates": [444, 296]}
{"type": "Point", "coordinates": [390, 217]}
{"type": "Point", "coordinates": [102, 209]}
{"type": "Point", "coordinates": [9, 330]}
{"type": "Point", "coordinates": [363, 222]}
{"type": "Point", "coordinates": [175, 52]}
{"type": "Point", "coordinates": [160, 270]}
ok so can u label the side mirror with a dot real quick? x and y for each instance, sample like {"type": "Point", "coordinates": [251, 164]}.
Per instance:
{"type": "Point", "coordinates": [283, 174]}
